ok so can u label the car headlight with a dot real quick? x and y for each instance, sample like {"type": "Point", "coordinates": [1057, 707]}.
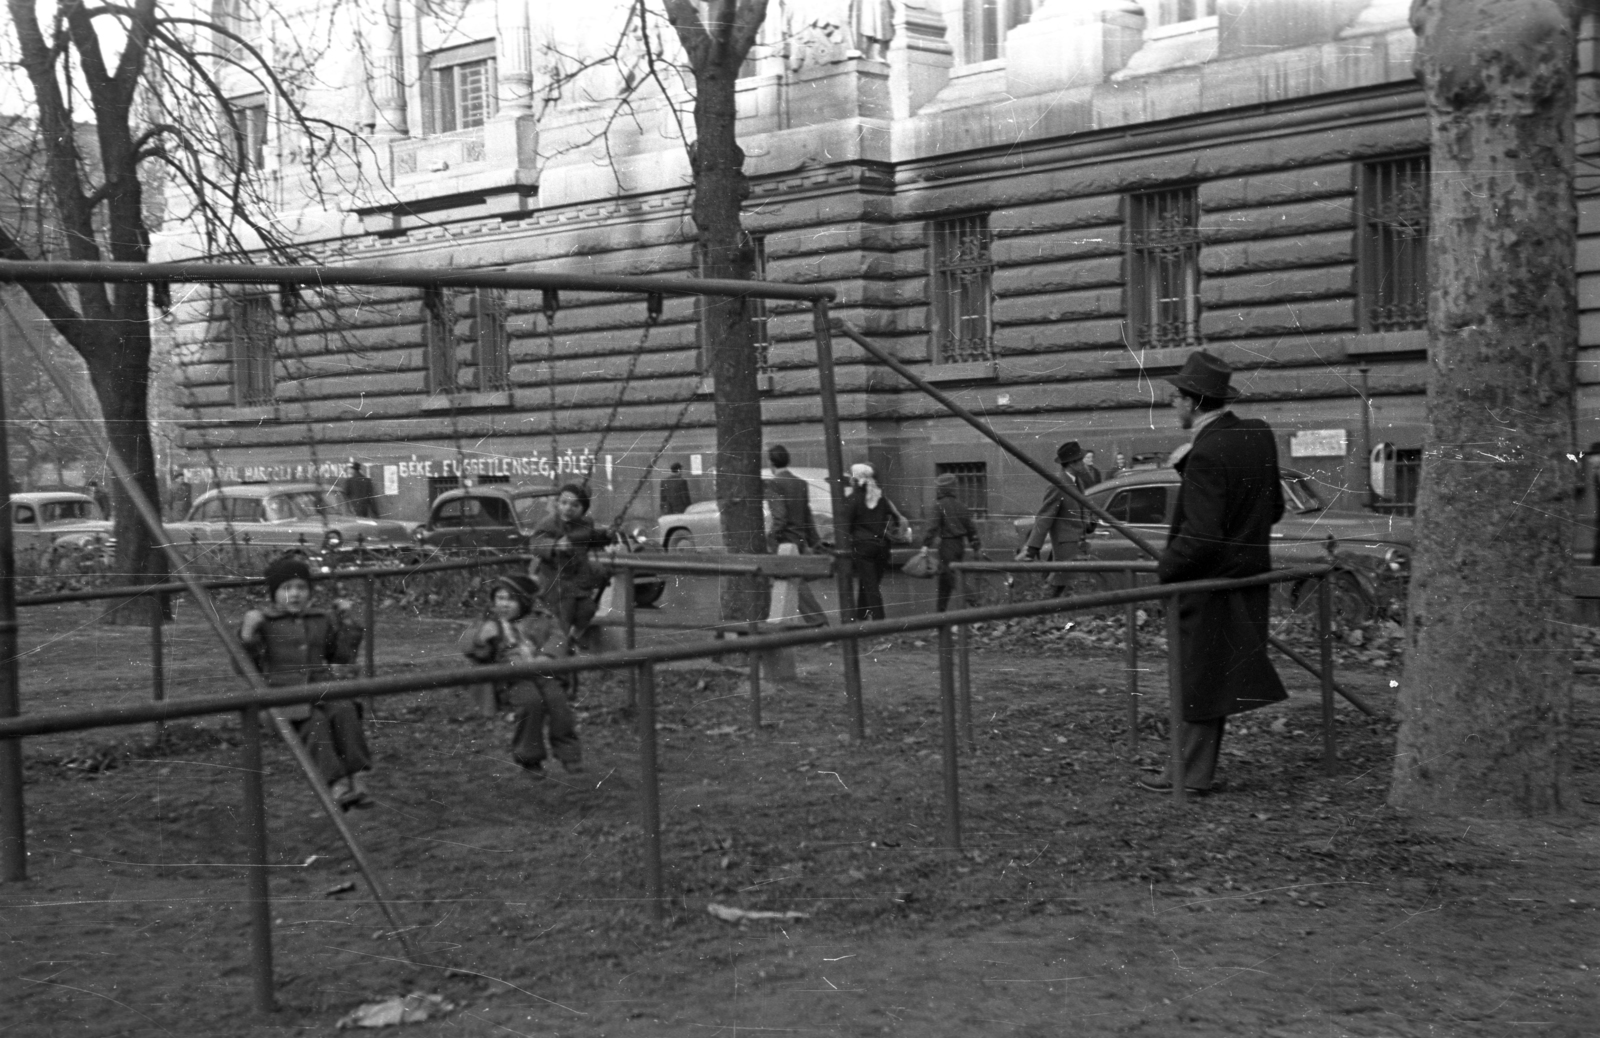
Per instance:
{"type": "Point", "coordinates": [331, 540]}
{"type": "Point", "coordinates": [1397, 560]}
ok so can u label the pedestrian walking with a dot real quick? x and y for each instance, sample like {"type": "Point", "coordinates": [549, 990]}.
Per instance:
{"type": "Point", "coordinates": [949, 533]}
{"type": "Point", "coordinates": [1062, 520]}
{"type": "Point", "coordinates": [871, 523]}
{"type": "Point", "coordinates": [291, 644]}
{"type": "Point", "coordinates": [793, 530]}
{"type": "Point", "coordinates": [1228, 500]}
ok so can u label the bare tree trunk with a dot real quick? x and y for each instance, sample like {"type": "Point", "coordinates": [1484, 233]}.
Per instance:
{"type": "Point", "coordinates": [1486, 694]}
{"type": "Point", "coordinates": [717, 47]}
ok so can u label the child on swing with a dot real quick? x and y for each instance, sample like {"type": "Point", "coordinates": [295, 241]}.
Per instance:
{"type": "Point", "coordinates": [517, 629]}
{"type": "Point", "coordinates": [562, 544]}
{"type": "Point", "coordinates": [292, 644]}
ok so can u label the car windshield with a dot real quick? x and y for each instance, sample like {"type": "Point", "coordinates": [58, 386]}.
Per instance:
{"type": "Point", "coordinates": [1299, 497]}
{"type": "Point", "coordinates": [304, 504]}
{"type": "Point", "coordinates": [67, 511]}
{"type": "Point", "coordinates": [532, 508]}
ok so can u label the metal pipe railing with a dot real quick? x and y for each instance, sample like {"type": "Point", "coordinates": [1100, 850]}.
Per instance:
{"type": "Point", "coordinates": [643, 663]}
{"type": "Point", "coordinates": [20, 271]}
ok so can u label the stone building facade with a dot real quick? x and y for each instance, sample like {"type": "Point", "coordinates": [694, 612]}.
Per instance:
{"type": "Point", "coordinates": [1043, 205]}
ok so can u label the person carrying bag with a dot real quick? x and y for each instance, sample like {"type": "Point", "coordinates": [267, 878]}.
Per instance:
{"type": "Point", "coordinates": [949, 532]}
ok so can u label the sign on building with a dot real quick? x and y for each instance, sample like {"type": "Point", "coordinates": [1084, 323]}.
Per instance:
{"type": "Point", "coordinates": [1318, 443]}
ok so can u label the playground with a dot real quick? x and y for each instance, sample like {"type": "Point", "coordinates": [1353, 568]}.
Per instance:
{"type": "Point", "coordinates": [1291, 903]}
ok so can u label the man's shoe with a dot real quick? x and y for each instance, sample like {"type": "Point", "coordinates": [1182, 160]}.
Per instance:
{"type": "Point", "coordinates": [1164, 785]}
{"type": "Point", "coordinates": [573, 767]}
{"type": "Point", "coordinates": [534, 770]}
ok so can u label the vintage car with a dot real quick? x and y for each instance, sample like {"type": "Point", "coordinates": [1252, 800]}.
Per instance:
{"type": "Point", "coordinates": [700, 527]}
{"type": "Point", "coordinates": [496, 518]}
{"type": "Point", "coordinates": [58, 525]}
{"type": "Point", "coordinates": [305, 516]}
{"type": "Point", "coordinates": [1372, 552]}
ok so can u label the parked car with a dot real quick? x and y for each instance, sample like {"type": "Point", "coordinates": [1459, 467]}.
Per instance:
{"type": "Point", "coordinates": [307, 516]}
{"type": "Point", "coordinates": [59, 525]}
{"type": "Point", "coordinates": [1370, 551]}
{"type": "Point", "coordinates": [700, 528]}
{"type": "Point", "coordinates": [494, 519]}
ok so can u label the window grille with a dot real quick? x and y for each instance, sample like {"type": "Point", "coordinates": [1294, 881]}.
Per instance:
{"type": "Point", "coordinates": [1394, 245]}
{"type": "Point", "coordinates": [494, 346]}
{"type": "Point", "coordinates": [1407, 477]}
{"type": "Point", "coordinates": [439, 484]}
{"type": "Point", "coordinates": [962, 271]}
{"type": "Point", "coordinates": [461, 82]}
{"type": "Point", "coordinates": [972, 484]}
{"type": "Point", "coordinates": [493, 478]}
{"type": "Point", "coordinates": [1164, 274]}
{"type": "Point", "coordinates": [475, 356]}
{"type": "Point", "coordinates": [254, 328]}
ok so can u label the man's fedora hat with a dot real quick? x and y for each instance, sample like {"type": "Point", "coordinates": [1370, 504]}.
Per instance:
{"type": "Point", "coordinates": [1205, 375]}
{"type": "Point", "coordinates": [1068, 453]}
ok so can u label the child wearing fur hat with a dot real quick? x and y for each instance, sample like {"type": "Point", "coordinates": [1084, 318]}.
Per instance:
{"type": "Point", "coordinates": [294, 644]}
{"type": "Point", "coordinates": [518, 629]}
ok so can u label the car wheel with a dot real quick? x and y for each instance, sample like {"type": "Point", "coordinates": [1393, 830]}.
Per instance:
{"type": "Point", "coordinates": [680, 540]}
{"type": "Point", "coordinates": [647, 595]}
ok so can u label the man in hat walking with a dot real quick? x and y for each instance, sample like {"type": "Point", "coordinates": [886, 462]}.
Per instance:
{"type": "Point", "coordinates": [675, 498]}
{"type": "Point", "coordinates": [1062, 519]}
{"type": "Point", "coordinates": [1221, 528]}
{"type": "Point", "coordinates": [359, 491]}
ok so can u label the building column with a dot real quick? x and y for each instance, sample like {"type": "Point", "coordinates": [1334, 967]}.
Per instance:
{"type": "Point", "coordinates": [920, 57]}
{"type": "Point", "coordinates": [388, 85]}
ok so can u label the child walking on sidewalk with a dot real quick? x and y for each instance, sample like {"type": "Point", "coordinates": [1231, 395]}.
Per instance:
{"type": "Point", "coordinates": [518, 629]}
{"type": "Point", "coordinates": [292, 644]}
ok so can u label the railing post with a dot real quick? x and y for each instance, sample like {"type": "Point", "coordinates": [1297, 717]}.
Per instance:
{"type": "Point", "coordinates": [622, 588]}
{"type": "Point", "coordinates": [947, 716]}
{"type": "Point", "coordinates": [158, 676]}
{"type": "Point", "coordinates": [1330, 752]}
{"type": "Point", "coordinates": [1176, 770]}
{"type": "Point", "coordinates": [753, 629]}
{"type": "Point", "coordinates": [964, 662]}
{"type": "Point", "coordinates": [258, 897]}
{"type": "Point", "coordinates": [649, 787]}
{"type": "Point", "coordinates": [370, 617]}
{"type": "Point", "coordinates": [833, 447]}
{"type": "Point", "coordinates": [1131, 661]}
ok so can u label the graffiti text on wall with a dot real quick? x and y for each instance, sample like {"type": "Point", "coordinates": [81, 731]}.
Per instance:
{"type": "Point", "coordinates": [534, 464]}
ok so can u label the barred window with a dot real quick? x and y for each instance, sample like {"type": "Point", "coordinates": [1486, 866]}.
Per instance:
{"type": "Point", "coordinates": [972, 484]}
{"type": "Point", "coordinates": [468, 348]}
{"type": "Point", "coordinates": [1402, 499]}
{"type": "Point", "coordinates": [254, 328]}
{"type": "Point", "coordinates": [1394, 244]}
{"type": "Point", "coordinates": [1160, 13]}
{"type": "Point", "coordinates": [440, 484]}
{"type": "Point", "coordinates": [1164, 268]}
{"type": "Point", "coordinates": [462, 83]}
{"type": "Point", "coordinates": [249, 123]}
{"type": "Point", "coordinates": [962, 271]}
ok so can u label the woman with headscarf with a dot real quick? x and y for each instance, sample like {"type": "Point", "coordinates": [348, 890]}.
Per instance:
{"type": "Point", "coordinates": [870, 520]}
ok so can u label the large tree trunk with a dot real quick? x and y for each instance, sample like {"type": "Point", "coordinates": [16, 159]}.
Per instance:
{"type": "Point", "coordinates": [716, 47]}
{"type": "Point", "coordinates": [121, 384]}
{"type": "Point", "coordinates": [1486, 693]}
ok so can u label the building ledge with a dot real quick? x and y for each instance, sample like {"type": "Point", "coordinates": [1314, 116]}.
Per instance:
{"type": "Point", "coordinates": [971, 371]}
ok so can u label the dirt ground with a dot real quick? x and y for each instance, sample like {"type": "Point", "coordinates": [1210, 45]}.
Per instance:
{"type": "Point", "coordinates": [1292, 903]}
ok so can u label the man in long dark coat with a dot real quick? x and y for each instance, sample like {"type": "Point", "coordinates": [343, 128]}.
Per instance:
{"type": "Point", "coordinates": [1062, 521]}
{"type": "Point", "coordinates": [793, 532]}
{"type": "Point", "coordinates": [1221, 528]}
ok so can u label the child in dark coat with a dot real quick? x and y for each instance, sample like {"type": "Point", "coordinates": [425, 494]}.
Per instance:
{"type": "Point", "coordinates": [292, 644]}
{"type": "Point", "coordinates": [562, 544]}
{"type": "Point", "coordinates": [518, 629]}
